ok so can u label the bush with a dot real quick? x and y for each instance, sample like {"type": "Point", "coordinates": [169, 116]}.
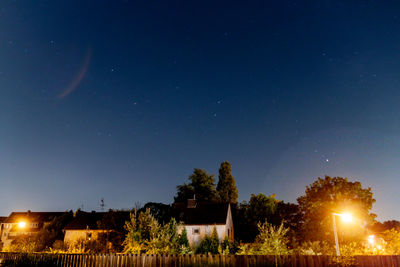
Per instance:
{"type": "Point", "coordinates": [146, 235]}
{"type": "Point", "coordinates": [271, 240]}
{"type": "Point", "coordinates": [315, 248]}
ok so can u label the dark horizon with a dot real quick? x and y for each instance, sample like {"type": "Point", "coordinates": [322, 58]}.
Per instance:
{"type": "Point", "coordinates": [122, 100]}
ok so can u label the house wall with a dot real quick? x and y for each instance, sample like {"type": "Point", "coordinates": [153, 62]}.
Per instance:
{"type": "Point", "coordinates": [72, 236]}
{"type": "Point", "coordinates": [203, 230]}
{"type": "Point", "coordinates": [10, 230]}
{"type": "Point", "coordinates": [229, 225]}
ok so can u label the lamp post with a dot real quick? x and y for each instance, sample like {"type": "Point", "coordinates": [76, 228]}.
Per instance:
{"type": "Point", "coordinates": [346, 217]}
{"type": "Point", "coordinates": [335, 233]}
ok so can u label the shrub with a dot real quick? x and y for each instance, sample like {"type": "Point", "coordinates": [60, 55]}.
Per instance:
{"type": "Point", "coordinates": [271, 240]}
{"type": "Point", "coordinates": [209, 244]}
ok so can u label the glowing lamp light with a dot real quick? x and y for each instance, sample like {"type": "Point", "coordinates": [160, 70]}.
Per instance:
{"type": "Point", "coordinates": [346, 217]}
{"type": "Point", "coordinates": [22, 224]}
{"type": "Point", "coordinates": [371, 239]}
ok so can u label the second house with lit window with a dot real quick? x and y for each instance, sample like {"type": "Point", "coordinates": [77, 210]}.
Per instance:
{"type": "Point", "coordinates": [24, 223]}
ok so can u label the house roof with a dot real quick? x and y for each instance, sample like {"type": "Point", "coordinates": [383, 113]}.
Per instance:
{"type": "Point", "coordinates": [85, 220]}
{"type": "Point", "coordinates": [203, 213]}
{"type": "Point", "coordinates": [39, 217]}
{"type": "Point", "coordinates": [2, 219]}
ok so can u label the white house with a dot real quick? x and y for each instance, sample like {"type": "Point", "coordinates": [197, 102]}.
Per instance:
{"type": "Point", "coordinates": [199, 219]}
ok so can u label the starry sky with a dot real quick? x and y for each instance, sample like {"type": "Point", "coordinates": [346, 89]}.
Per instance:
{"type": "Point", "coordinates": [122, 99]}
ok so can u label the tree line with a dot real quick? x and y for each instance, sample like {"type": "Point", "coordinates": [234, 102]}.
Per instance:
{"type": "Point", "coordinates": [263, 224]}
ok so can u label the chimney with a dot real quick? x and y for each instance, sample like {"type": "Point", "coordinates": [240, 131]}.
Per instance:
{"type": "Point", "coordinates": [191, 203]}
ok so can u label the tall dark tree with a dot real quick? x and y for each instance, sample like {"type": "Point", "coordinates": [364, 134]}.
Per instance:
{"type": "Point", "coordinates": [201, 184]}
{"type": "Point", "coordinates": [335, 195]}
{"type": "Point", "coordinates": [226, 187]}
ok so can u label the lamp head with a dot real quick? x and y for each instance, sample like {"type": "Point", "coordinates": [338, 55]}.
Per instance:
{"type": "Point", "coordinates": [347, 217]}
{"type": "Point", "coordinates": [371, 239]}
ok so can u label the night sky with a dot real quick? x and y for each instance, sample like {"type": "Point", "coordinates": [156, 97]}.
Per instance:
{"type": "Point", "coordinates": [122, 99]}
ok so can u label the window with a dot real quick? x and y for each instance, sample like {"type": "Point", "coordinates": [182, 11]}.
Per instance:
{"type": "Point", "coordinates": [196, 231]}
{"type": "Point", "coordinates": [207, 229]}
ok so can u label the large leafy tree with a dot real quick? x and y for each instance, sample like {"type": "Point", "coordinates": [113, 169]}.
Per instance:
{"type": "Point", "coordinates": [259, 209]}
{"type": "Point", "coordinates": [387, 225]}
{"type": "Point", "coordinates": [161, 212]}
{"type": "Point", "coordinates": [226, 187]}
{"type": "Point", "coordinates": [201, 184]}
{"type": "Point", "coordinates": [335, 195]}
{"type": "Point", "coordinates": [289, 215]}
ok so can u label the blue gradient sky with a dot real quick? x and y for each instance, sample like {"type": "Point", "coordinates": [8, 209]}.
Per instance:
{"type": "Point", "coordinates": [122, 99]}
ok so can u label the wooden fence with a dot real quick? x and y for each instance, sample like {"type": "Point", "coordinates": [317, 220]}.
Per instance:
{"type": "Point", "coordinates": [130, 260]}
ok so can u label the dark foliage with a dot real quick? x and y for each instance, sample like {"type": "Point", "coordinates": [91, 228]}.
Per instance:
{"type": "Point", "coordinates": [30, 260]}
{"type": "Point", "coordinates": [209, 244]}
{"type": "Point", "coordinates": [259, 209]}
{"type": "Point", "coordinates": [111, 241]}
{"type": "Point", "coordinates": [161, 212]}
{"type": "Point", "coordinates": [201, 184]}
{"type": "Point", "coordinates": [226, 187]}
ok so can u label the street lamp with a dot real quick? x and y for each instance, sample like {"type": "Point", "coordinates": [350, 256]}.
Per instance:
{"type": "Point", "coordinates": [22, 224]}
{"type": "Point", "coordinates": [346, 217]}
{"type": "Point", "coordinates": [371, 239]}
